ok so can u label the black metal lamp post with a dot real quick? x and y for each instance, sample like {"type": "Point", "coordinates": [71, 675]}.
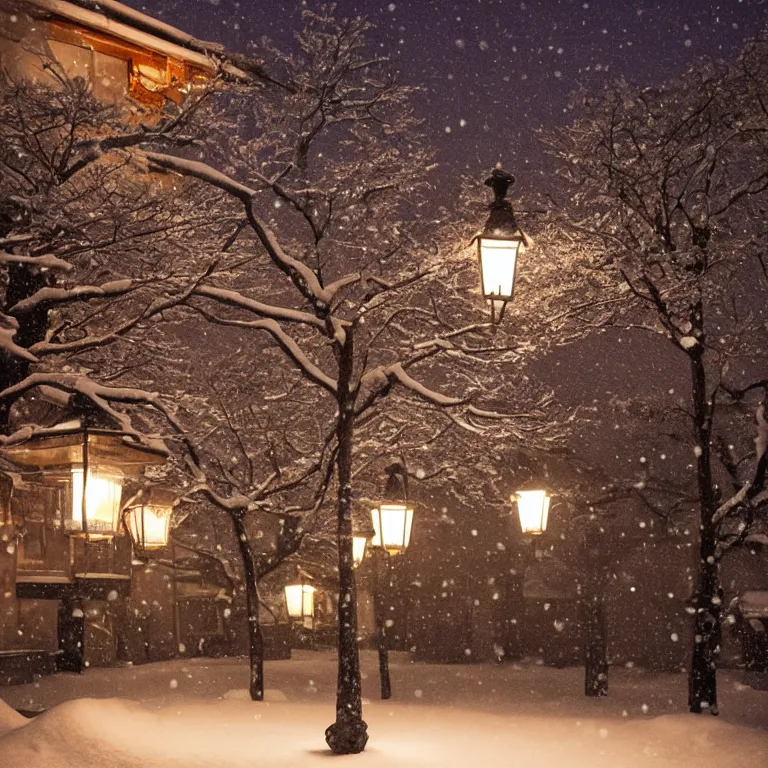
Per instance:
{"type": "Point", "coordinates": [392, 523]}
{"type": "Point", "coordinates": [498, 246]}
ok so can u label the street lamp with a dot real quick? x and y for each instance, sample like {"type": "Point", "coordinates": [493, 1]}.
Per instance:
{"type": "Point", "coordinates": [498, 246]}
{"type": "Point", "coordinates": [90, 465]}
{"type": "Point", "coordinates": [148, 519]}
{"type": "Point", "coordinates": [392, 522]}
{"type": "Point", "coordinates": [533, 511]}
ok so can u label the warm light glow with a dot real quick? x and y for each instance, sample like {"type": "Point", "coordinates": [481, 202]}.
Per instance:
{"type": "Point", "coordinates": [358, 549]}
{"type": "Point", "coordinates": [533, 510]}
{"type": "Point", "coordinates": [392, 527]}
{"type": "Point", "coordinates": [149, 525]}
{"type": "Point", "coordinates": [103, 489]}
{"type": "Point", "coordinates": [300, 600]}
{"type": "Point", "coordinates": [498, 259]}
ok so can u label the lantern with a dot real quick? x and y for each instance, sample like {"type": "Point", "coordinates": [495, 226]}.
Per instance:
{"type": "Point", "coordinates": [498, 246]}
{"type": "Point", "coordinates": [149, 519]}
{"type": "Point", "coordinates": [300, 599]}
{"type": "Point", "coordinates": [533, 511]}
{"type": "Point", "coordinates": [393, 518]}
{"type": "Point", "coordinates": [90, 465]}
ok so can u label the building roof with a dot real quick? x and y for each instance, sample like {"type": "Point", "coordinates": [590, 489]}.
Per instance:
{"type": "Point", "coordinates": [754, 604]}
{"type": "Point", "coordinates": [119, 21]}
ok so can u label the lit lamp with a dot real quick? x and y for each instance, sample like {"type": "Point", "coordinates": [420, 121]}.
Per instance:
{"type": "Point", "coordinates": [392, 523]}
{"type": "Point", "coordinates": [149, 519]}
{"type": "Point", "coordinates": [498, 246]}
{"type": "Point", "coordinates": [89, 466]}
{"type": "Point", "coordinates": [300, 599]}
{"type": "Point", "coordinates": [393, 518]}
{"type": "Point", "coordinates": [533, 511]}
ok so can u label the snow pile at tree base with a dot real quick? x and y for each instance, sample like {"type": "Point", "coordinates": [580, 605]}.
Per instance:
{"type": "Point", "coordinates": [115, 733]}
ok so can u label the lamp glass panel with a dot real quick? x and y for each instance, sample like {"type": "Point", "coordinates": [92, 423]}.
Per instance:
{"type": "Point", "coordinates": [498, 259]}
{"type": "Point", "coordinates": [533, 509]}
{"type": "Point", "coordinates": [103, 490]}
{"type": "Point", "coordinates": [149, 525]}
{"type": "Point", "coordinates": [358, 549]}
{"type": "Point", "coordinates": [308, 600]}
{"type": "Point", "coordinates": [300, 600]}
{"type": "Point", "coordinates": [392, 525]}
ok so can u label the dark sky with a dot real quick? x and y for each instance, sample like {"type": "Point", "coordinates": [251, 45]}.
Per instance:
{"type": "Point", "coordinates": [497, 69]}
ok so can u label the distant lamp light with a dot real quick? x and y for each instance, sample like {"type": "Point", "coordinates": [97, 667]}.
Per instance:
{"type": "Point", "coordinates": [149, 519]}
{"type": "Point", "coordinates": [498, 246]}
{"type": "Point", "coordinates": [300, 598]}
{"type": "Point", "coordinates": [90, 466]}
{"type": "Point", "coordinates": [533, 511]}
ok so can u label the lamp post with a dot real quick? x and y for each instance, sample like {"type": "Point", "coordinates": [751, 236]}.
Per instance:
{"type": "Point", "coordinates": [498, 246]}
{"type": "Point", "coordinates": [533, 516]}
{"type": "Point", "coordinates": [392, 523]}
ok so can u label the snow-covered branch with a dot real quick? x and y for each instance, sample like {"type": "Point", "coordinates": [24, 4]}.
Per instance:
{"type": "Point", "coordinates": [47, 297]}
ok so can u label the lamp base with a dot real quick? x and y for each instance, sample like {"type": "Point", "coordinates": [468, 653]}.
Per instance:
{"type": "Point", "coordinates": [347, 736]}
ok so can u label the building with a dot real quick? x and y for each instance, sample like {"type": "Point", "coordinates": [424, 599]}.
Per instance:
{"type": "Point", "coordinates": [71, 597]}
{"type": "Point", "coordinates": [123, 54]}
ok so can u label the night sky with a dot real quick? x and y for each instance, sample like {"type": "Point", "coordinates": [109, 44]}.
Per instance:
{"type": "Point", "coordinates": [495, 70]}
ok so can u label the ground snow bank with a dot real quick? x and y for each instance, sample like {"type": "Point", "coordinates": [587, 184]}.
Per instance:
{"type": "Point", "coordinates": [9, 718]}
{"type": "Point", "coordinates": [114, 733]}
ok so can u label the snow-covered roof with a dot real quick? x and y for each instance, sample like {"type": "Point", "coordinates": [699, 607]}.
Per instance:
{"type": "Point", "coordinates": [124, 23]}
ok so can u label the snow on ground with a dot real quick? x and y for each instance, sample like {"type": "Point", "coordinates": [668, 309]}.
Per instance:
{"type": "Point", "coordinates": [193, 714]}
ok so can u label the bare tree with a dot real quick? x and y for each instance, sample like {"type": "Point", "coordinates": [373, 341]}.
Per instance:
{"type": "Point", "coordinates": [328, 266]}
{"type": "Point", "coordinates": [671, 180]}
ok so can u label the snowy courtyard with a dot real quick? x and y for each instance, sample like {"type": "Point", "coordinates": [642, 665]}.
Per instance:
{"type": "Point", "coordinates": [194, 713]}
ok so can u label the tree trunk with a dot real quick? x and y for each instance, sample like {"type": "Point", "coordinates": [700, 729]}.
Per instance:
{"type": "Point", "coordinates": [349, 734]}
{"type": "Point", "coordinates": [255, 636]}
{"type": "Point", "coordinates": [593, 615]}
{"type": "Point", "coordinates": [595, 659]}
{"type": "Point", "coordinates": [702, 681]}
